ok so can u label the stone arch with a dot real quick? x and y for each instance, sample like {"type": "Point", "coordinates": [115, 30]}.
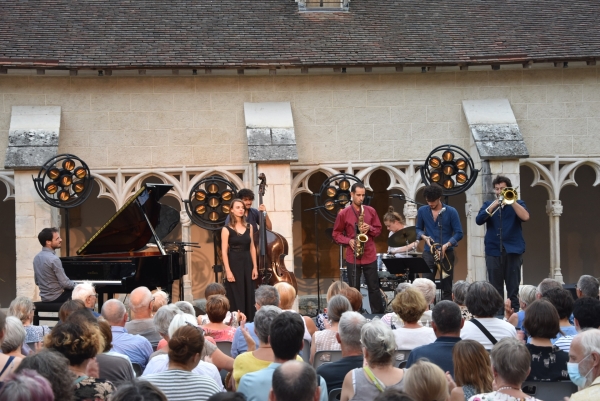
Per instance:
{"type": "Point", "coordinates": [7, 178]}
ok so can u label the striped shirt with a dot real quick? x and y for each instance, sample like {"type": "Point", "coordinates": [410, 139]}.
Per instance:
{"type": "Point", "coordinates": [181, 385]}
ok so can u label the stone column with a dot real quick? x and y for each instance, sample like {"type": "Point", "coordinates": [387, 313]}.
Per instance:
{"type": "Point", "coordinates": [410, 214]}
{"type": "Point", "coordinates": [186, 236]}
{"type": "Point", "coordinates": [554, 210]}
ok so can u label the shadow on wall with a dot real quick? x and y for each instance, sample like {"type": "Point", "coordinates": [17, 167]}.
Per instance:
{"type": "Point", "coordinates": [8, 253]}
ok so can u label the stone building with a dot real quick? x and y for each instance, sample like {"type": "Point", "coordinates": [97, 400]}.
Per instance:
{"type": "Point", "coordinates": [155, 92]}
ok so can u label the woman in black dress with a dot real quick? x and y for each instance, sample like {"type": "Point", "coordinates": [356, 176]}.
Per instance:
{"type": "Point", "coordinates": [239, 259]}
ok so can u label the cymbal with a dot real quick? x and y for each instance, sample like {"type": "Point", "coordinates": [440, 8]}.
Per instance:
{"type": "Point", "coordinates": [405, 236]}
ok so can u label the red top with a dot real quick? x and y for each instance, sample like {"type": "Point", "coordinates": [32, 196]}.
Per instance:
{"type": "Point", "coordinates": [344, 230]}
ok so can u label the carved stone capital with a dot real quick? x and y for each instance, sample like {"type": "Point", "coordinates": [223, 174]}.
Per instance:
{"type": "Point", "coordinates": [468, 209]}
{"type": "Point", "coordinates": [410, 210]}
{"type": "Point", "coordinates": [184, 219]}
{"type": "Point", "coordinates": [554, 208]}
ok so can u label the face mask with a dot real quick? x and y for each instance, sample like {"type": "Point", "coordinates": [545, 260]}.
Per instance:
{"type": "Point", "coordinates": [575, 376]}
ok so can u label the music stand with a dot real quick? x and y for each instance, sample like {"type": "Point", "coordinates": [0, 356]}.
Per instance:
{"type": "Point", "coordinates": [407, 266]}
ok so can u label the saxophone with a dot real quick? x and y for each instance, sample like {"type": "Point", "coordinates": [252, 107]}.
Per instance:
{"type": "Point", "coordinates": [360, 239]}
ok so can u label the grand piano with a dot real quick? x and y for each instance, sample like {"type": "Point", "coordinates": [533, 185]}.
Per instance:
{"type": "Point", "coordinates": [117, 259]}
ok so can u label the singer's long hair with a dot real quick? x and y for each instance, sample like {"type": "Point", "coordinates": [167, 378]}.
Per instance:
{"type": "Point", "coordinates": [393, 216]}
{"type": "Point", "coordinates": [232, 217]}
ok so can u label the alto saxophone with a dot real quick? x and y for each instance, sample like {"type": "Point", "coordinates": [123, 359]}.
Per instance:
{"type": "Point", "coordinates": [360, 239]}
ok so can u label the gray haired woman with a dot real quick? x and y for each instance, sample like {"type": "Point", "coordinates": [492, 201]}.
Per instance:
{"type": "Point", "coordinates": [459, 296]}
{"type": "Point", "coordinates": [379, 345]}
{"type": "Point", "coordinates": [14, 335]}
{"type": "Point", "coordinates": [325, 340]}
{"type": "Point", "coordinates": [23, 309]}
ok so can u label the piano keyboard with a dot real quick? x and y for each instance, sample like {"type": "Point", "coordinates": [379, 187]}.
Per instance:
{"type": "Point", "coordinates": [100, 282]}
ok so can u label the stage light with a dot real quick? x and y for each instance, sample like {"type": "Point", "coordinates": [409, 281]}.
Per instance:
{"type": "Point", "coordinates": [78, 187]}
{"type": "Point", "coordinates": [209, 202]}
{"type": "Point", "coordinates": [344, 185]}
{"type": "Point", "coordinates": [200, 209]}
{"type": "Point", "coordinates": [212, 188]}
{"type": "Point", "coordinates": [436, 175]}
{"type": "Point", "coordinates": [66, 180]}
{"type": "Point", "coordinates": [80, 173]}
{"type": "Point", "coordinates": [454, 169]}
{"type": "Point", "coordinates": [435, 162]}
{"type": "Point", "coordinates": [51, 188]}
{"type": "Point", "coordinates": [53, 173]}
{"type": "Point", "coordinates": [461, 164]}
{"type": "Point", "coordinates": [69, 164]}
{"type": "Point", "coordinates": [448, 156]}
{"type": "Point", "coordinates": [330, 192]}
{"type": "Point", "coordinates": [329, 205]}
{"type": "Point", "coordinates": [213, 201]}
{"type": "Point", "coordinates": [334, 194]}
{"type": "Point", "coordinates": [461, 177]}
{"type": "Point", "coordinates": [449, 183]}
{"type": "Point", "coordinates": [226, 209]}
{"type": "Point", "coordinates": [64, 196]}
{"type": "Point", "coordinates": [213, 216]}
{"type": "Point", "coordinates": [448, 169]}
{"type": "Point", "coordinates": [227, 195]}
{"type": "Point", "coordinates": [200, 196]}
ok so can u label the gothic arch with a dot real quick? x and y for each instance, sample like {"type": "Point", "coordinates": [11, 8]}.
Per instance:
{"type": "Point", "coordinates": [7, 178]}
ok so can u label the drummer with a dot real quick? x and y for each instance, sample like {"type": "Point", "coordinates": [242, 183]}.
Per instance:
{"type": "Point", "coordinates": [394, 222]}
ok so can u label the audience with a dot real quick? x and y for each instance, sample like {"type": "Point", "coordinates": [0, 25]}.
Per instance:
{"type": "Point", "coordinates": [264, 295]}
{"type": "Point", "coordinates": [510, 367]}
{"type": "Point", "coordinates": [584, 365]}
{"type": "Point", "coordinates": [586, 315]}
{"type": "Point", "coordinates": [348, 335]}
{"type": "Point", "coordinates": [287, 297]}
{"type": "Point", "coordinates": [80, 342]}
{"type": "Point", "coordinates": [141, 303]}
{"type": "Point", "coordinates": [264, 355]}
{"type": "Point", "coordinates": [409, 305]}
{"type": "Point", "coordinates": [231, 319]}
{"type": "Point", "coordinates": [161, 299]}
{"type": "Point", "coordinates": [235, 396]}
{"type": "Point", "coordinates": [563, 302]}
{"type": "Point", "coordinates": [587, 286]}
{"type": "Point", "coordinates": [325, 340]}
{"type": "Point", "coordinates": [178, 382]}
{"type": "Point", "coordinates": [295, 381]}
{"type": "Point", "coordinates": [7, 363]}
{"type": "Point", "coordinates": [427, 288]}
{"type": "Point", "coordinates": [545, 285]}
{"type": "Point", "coordinates": [472, 370]}
{"type": "Point", "coordinates": [113, 366]}
{"type": "Point", "coordinates": [12, 343]}
{"type": "Point", "coordinates": [459, 295]}
{"type": "Point", "coordinates": [392, 394]}
{"type": "Point", "coordinates": [217, 307]}
{"type": "Point", "coordinates": [392, 319]}
{"type": "Point", "coordinates": [162, 319]}
{"type": "Point", "coordinates": [54, 366]}
{"type": "Point", "coordinates": [447, 321]}
{"type": "Point", "coordinates": [527, 294]}
{"type": "Point", "coordinates": [86, 293]}
{"type": "Point", "coordinates": [425, 381]}
{"type": "Point", "coordinates": [354, 296]}
{"type": "Point", "coordinates": [68, 307]}
{"type": "Point", "coordinates": [548, 362]}
{"type": "Point", "coordinates": [364, 384]}
{"type": "Point", "coordinates": [484, 301]}
{"type": "Point", "coordinates": [23, 309]}
{"type": "Point", "coordinates": [138, 390]}
{"type": "Point", "coordinates": [186, 307]}
{"type": "Point", "coordinates": [27, 385]}
{"type": "Point", "coordinates": [334, 289]}
{"type": "Point", "coordinates": [136, 347]}
{"type": "Point", "coordinates": [287, 339]}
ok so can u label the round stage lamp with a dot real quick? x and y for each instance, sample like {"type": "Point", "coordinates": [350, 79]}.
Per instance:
{"type": "Point", "coordinates": [79, 187]}
{"type": "Point", "coordinates": [344, 185]}
{"type": "Point", "coordinates": [53, 173]}
{"type": "Point", "coordinates": [64, 196]}
{"type": "Point", "coordinates": [226, 209]}
{"type": "Point", "coordinates": [454, 171]}
{"type": "Point", "coordinates": [331, 192]}
{"type": "Point", "coordinates": [213, 216]}
{"type": "Point", "coordinates": [461, 177]}
{"type": "Point", "coordinates": [435, 162]}
{"type": "Point", "coordinates": [213, 202]}
{"type": "Point", "coordinates": [209, 202]}
{"type": "Point", "coordinates": [461, 164]}
{"type": "Point", "coordinates": [448, 170]}
{"type": "Point", "coordinates": [66, 180]}
{"type": "Point", "coordinates": [212, 188]}
{"type": "Point", "coordinates": [69, 164]}
{"type": "Point", "coordinates": [436, 176]}
{"type": "Point", "coordinates": [449, 183]}
{"type": "Point", "coordinates": [227, 196]}
{"type": "Point", "coordinates": [51, 188]}
{"type": "Point", "coordinates": [200, 196]}
{"type": "Point", "coordinates": [200, 210]}
{"type": "Point", "coordinates": [334, 194]}
{"type": "Point", "coordinates": [448, 156]}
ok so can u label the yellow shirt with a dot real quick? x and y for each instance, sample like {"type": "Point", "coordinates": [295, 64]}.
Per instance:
{"type": "Point", "coordinates": [591, 393]}
{"type": "Point", "coordinates": [248, 363]}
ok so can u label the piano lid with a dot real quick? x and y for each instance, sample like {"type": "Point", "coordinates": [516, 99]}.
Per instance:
{"type": "Point", "coordinates": [128, 229]}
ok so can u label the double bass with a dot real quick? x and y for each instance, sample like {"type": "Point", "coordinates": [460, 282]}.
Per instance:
{"type": "Point", "coordinates": [272, 248]}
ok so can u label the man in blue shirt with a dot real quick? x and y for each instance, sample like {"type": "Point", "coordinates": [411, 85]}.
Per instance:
{"type": "Point", "coordinates": [504, 243]}
{"type": "Point", "coordinates": [446, 322]}
{"type": "Point", "coordinates": [252, 215]}
{"type": "Point", "coordinates": [439, 224]}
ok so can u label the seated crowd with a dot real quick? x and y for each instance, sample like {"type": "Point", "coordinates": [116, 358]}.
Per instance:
{"type": "Point", "coordinates": [454, 351]}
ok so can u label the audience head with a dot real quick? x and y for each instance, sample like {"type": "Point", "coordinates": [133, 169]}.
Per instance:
{"type": "Point", "coordinates": [46, 237]}
{"type": "Point", "coordinates": [180, 321]}
{"type": "Point", "coordinates": [337, 305]}
{"type": "Point", "coordinates": [262, 322]}
{"type": "Point", "coordinates": [186, 307]}
{"type": "Point", "coordinates": [587, 286]}
{"type": "Point", "coordinates": [472, 366]}
{"type": "Point", "coordinates": [2, 325]}
{"type": "Point", "coordinates": [391, 394]}
{"type": "Point", "coordinates": [511, 362]}
{"type": "Point", "coordinates": [584, 358]}
{"type": "Point", "coordinates": [287, 295]}
{"type": "Point", "coordinates": [237, 396]}
{"type": "Point", "coordinates": [106, 332]}
{"type": "Point", "coordinates": [14, 335]}
{"type": "Point", "coordinates": [22, 308]}
{"type": "Point", "coordinates": [409, 305]}
{"type": "Point", "coordinates": [77, 340]}
{"type": "Point", "coordinates": [545, 285]}
{"type": "Point", "coordinates": [86, 293]}
{"type": "Point", "coordinates": [354, 296]}
{"type": "Point", "coordinates": [214, 289]}
{"type": "Point", "coordinates": [69, 307]}
{"type": "Point", "coordinates": [28, 385]}
{"type": "Point", "coordinates": [541, 320]}
{"type": "Point", "coordinates": [425, 381]}
{"type": "Point", "coordinates": [55, 368]}
{"type": "Point", "coordinates": [349, 330]}
{"type": "Point", "coordinates": [141, 303]}
{"type": "Point", "coordinates": [483, 300]}
{"type": "Point", "coordinates": [138, 390]}
{"type": "Point", "coordinates": [426, 287]}
{"type": "Point", "coordinates": [185, 346]}
{"type": "Point", "coordinates": [294, 381]}
{"type": "Point", "coordinates": [336, 288]}
{"type": "Point", "coordinates": [527, 294]}
{"type": "Point", "coordinates": [287, 335]}
{"type": "Point", "coordinates": [163, 318]}
{"type": "Point", "coordinates": [113, 311]}
{"type": "Point", "coordinates": [586, 311]}
{"type": "Point", "coordinates": [378, 343]}
{"type": "Point", "coordinates": [562, 301]}
{"type": "Point", "coordinates": [266, 295]}
{"type": "Point", "coordinates": [400, 287]}
{"type": "Point", "coordinates": [217, 307]}
{"type": "Point", "coordinates": [161, 299]}
{"type": "Point", "coordinates": [446, 319]}
{"type": "Point", "coordinates": [459, 292]}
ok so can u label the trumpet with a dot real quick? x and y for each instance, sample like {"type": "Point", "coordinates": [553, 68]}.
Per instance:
{"type": "Point", "coordinates": [436, 251]}
{"type": "Point", "coordinates": [508, 196]}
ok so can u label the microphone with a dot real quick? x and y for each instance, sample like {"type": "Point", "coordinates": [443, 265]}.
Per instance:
{"type": "Point", "coordinates": [442, 211]}
{"type": "Point", "coordinates": [398, 196]}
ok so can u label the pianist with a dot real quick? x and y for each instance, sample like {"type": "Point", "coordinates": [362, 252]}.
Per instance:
{"type": "Point", "coordinates": [50, 276]}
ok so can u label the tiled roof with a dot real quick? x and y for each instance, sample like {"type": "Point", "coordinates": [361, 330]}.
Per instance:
{"type": "Point", "coordinates": [246, 33]}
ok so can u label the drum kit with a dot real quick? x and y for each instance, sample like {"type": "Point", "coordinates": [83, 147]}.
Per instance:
{"type": "Point", "coordinates": [387, 280]}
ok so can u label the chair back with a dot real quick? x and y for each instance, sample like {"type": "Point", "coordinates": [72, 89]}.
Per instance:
{"type": "Point", "coordinates": [334, 395]}
{"type": "Point", "coordinates": [400, 357]}
{"type": "Point", "coordinates": [305, 353]}
{"type": "Point", "coordinates": [549, 391]}
{"type": "Point", "coordinates": [225, 347]}
{"type": "Point", "coordinates": [323, 357]}
{"type": "Point", "coordinates": [137, 368]}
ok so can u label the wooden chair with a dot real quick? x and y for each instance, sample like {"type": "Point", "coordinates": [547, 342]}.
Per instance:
{"type": "Point", "coordinates": [45, 307]}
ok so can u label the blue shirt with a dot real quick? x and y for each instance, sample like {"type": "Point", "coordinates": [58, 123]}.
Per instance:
{"type": "Point", "coordinates": [512, 233]}
{"type": "Point", "coordinates": [253, 218]}
{"type": "Point", "coordinates": [449, 221]}
{"type": "Point", "coordinates": [256, 385]}
{"type": "Point", "coordinates": [136, 347]}
{"type": "Point", "coordinates": [438, 352]}
{"type": "Point", "coordinates": [239, 344]}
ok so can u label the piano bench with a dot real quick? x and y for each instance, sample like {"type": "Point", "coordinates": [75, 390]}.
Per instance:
{"type": "Point", "coordinates": [45, 307]}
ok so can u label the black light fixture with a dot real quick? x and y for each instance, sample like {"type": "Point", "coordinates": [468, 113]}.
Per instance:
{"type": "Point", "coordinates": [64, 182]}
{"type": "Point", "coordinates": [451, 167]}
{"type": "Point", "coordinates": [334, 194]}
